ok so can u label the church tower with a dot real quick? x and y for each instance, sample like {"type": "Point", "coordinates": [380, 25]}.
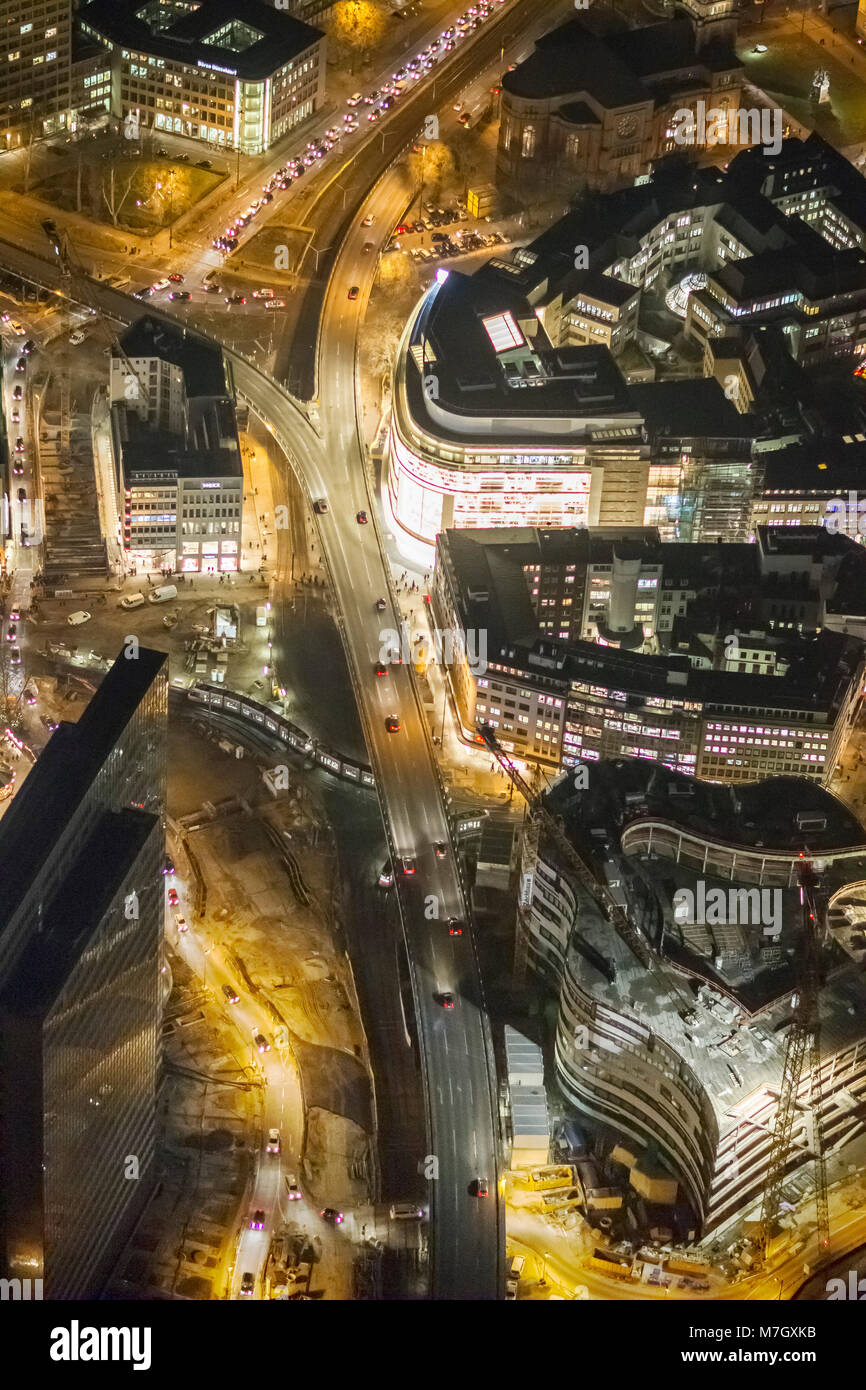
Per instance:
{"type": "Point", "coordinates": [712, 20]}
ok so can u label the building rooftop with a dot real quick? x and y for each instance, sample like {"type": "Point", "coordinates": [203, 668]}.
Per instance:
{"type": "Point", "coordinates": [491, 590]}
{"type": "Point", "coordinates": [736, 983]}
{"type": "Point", "coordinates": [200, 360]}
{"type": "Point", "coordinates": [64, 772]}
{"type": "Point", "coordinates": [618, 69]}
{"type": "Point", "coordinates": [243, 38]}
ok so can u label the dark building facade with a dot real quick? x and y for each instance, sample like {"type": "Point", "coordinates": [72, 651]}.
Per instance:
{"type": "Point", "coordinates": [81, 903]}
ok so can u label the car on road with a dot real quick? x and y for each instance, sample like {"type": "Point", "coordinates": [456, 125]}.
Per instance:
{"type": "Point", "coordinates": [172, 897]}
{"type": "Point", "coordinates": [168, 866]}
{"type": "Point", "coordinates": [21, 364]}
{"type": "Point", "coordinates": [320, 506]}
{"type": "Point", "coordinates": [380, 668]}
{"type": "Point", "coordinates": [354, 292]}
{"type": "Point", "coordinates": [18, 329]}
{"type": "Point", "coordinates": [77, 336]}
{"type": "Point", "coordinates": [248, 1284]}
{"type": "Point", "coordinates": [212, 288]}
{"type": "Point", "coordinates": [15, 656]}
{"type": "Point", "coordinates": [386, 875]}
{"type": "Point", "coordinates": [182, 924]}
{"type": "Point", "coordinates": [16, 415]}
{"type": "Point", "coordinates": [454, 927]}
{"type": "Point", "coordinates": [231, 994]}
{"type": "Point", "coordinates": [18, 468]}
{"type": "Point", "coordinates": [292, 1188]}
{"type": "Point", "coordinates": [406, 1211]}
{"type": "Point", "coordinates": [257, 1220]}
{"type": "Point", "coordinates": [261, 1042]}
{"type": "Point", "coordinates": [49, 724]}
{"type": "Point", "coordinates": [76, 619]}
{"type": "Point", "coordinates": [19, 445]}
{"type": "Point", "coordinates": [273, 1143]}
{"type": "Point", "coordinates": [367, 248]}
{"type": "Point", "coordinates": [380, 605]}
{"type": "Point", "coordinates": [17, 393]}
{"type": "Point", "coordinates": [407, 864]}
{"type": "Point", "coordinates": [444, 999]}
{"type": "Point", "coordinates": [368, 220]}
{"type": "Point", "coordinates": [176, 278]}
{"type": "Point", "coordinates": [232, 299]}
{"type": "Point", "coordinates": [263, 294]}
{"type": "Point", "coordinates": [274, 304]}
{"type": "Point", "coordinates": [480, 1188]}
{"type": "Point", "coordinates": [160, 285]}
{"type": "Point", "coordinates": [334, 1217]}
{"type": "Point", "coordinates": [180, 294]}
{"type": "Point", "coordinates": [28, 347]}
{"type": "Point", "coordinates": [361, 518]}
{"type": "Point", "coordinates": [441, 849]}
{"type": "Point", "coordinates": [203, 164]}
{"type": "Point", "coordinates": [144, 293]}
{"type": "Point", "coordinates": [11, 632]}
{"type": "Point", "coordinates": [392, 724]}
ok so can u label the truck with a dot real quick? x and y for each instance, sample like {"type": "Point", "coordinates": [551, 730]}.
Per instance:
{"type": "Point", "coordinates": [164, 594]}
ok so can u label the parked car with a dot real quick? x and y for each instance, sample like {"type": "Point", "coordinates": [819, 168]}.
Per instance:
{"type": "Point", "coordinates": [76, 619]}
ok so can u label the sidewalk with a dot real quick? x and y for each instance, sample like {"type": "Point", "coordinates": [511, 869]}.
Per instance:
{"type": "Point", "coordinates": [465, 767]}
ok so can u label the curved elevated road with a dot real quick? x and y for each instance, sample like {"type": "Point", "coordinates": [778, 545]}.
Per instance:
{"type": "Point", "coordinates": [466, 1234]}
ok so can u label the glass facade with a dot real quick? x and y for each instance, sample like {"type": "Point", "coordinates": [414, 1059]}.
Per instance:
{"type": "Point", "coordinates": [81, 900]}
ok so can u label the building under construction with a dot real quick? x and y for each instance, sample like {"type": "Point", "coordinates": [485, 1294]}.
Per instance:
{"type": "Point", "coordinates": [696, 988]}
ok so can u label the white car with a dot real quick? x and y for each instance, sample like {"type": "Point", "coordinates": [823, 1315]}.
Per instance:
{"type": "Point", "coordinates": [293, 1190]}
{"type": "Point", "coordinates": [181, 924]}
{"type": "Point", "coordinates": [77, 337]}
{"type": "Point", "coordinates": [76, 619]}
{"type": "Point", "coordinates": [273, 1144]}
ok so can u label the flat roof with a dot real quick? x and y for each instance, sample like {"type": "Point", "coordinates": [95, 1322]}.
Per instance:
{"type": "Point", "coordinates": [257, 40]}
{"type": "Point", "coordinates": [63, 773]}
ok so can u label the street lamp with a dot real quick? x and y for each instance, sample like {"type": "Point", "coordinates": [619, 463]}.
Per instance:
{"type": "Point", "coordinates": [545, 1257]}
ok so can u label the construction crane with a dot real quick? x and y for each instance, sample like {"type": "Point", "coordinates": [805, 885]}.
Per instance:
{"type": "Point", "coordinates": [803, 1046]}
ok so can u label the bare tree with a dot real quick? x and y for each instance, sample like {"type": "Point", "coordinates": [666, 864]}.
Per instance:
{"type": "Point", "coordinates": [28, 154]}
{"type": "Point", "coordinates": [114, 198]}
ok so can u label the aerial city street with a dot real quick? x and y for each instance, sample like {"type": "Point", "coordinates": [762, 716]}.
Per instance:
{"type": "Point", "coordinates": [432, 654]}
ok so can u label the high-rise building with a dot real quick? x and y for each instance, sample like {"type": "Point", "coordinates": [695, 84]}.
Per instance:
{"type": "Point", "coordinates": [35, 69]}
{"type": "Point", "coordinates": [81, 906]}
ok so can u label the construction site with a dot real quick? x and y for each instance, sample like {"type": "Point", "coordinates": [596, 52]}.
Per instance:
{"type": "Point", "coordinates": [716, 1068]}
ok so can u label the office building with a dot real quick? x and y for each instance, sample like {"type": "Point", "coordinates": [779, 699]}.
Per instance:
{"type": "Point", "coordinates": [677, 1067]}
{"type": "Point", "coordinates": [177, 460]}
{"type": "Point", "coordinates": [497, 421]}
{"type": "Point", "coordinates": [711, 660]}
{"type": "Point", "coordinates": [35, 61]}
{"type": "Point", "coordinates": [236, 73]}
{"type": "Point", "coordinates": [81, 902]}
